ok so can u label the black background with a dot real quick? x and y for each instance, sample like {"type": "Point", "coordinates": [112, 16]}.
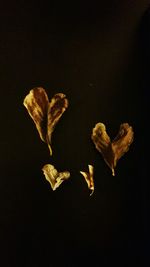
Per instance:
{"type": "Point", "coordinates": [98, 55]}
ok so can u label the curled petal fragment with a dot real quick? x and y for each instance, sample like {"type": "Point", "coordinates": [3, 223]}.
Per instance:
{"type": "Point", "coordinates": [112, 151]}
{"type": "Point", "coordinates": [89, 178]}
{"type": "Point", "coordinates": [45, 114]}
{"type": "Point", "coordinates": [54, 177]}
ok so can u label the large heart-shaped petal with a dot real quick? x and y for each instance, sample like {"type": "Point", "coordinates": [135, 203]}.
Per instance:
{"type": "Point", "coordinates": [45, 114]}
{"type": "Point", "coordinates": [112, 151]}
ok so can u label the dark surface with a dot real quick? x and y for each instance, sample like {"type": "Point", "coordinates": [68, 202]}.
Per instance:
{"type": "Point", "coordinates": [99, 57]}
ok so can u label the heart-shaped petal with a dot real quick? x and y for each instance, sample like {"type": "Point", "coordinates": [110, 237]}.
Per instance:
{"type": "Point", "coordinates": [112, 151]}
{"type": "Point", "coordinates": [54, 177]}
{"type": "Point", "coordinates": [45, 114]}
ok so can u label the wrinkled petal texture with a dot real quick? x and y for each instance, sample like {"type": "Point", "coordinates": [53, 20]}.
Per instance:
{"type": "Point", "coordinates": [45, 114]}
{"type": "Point", "coordinates": [54, 177]}
{"type": "Point", "coordinates": [36, 102]}
{"type": "Point", "coordinates": [112, 151]}
{"type": "Point", "coordinates": [89, 178]}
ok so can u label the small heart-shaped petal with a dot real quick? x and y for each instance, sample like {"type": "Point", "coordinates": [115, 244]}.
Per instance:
{"type": "Point", "coordinates": [54, 177]}
{"type": "Point", "coordinates": [89, 178]}
{"type": "Point", "coordinates": [112, 151]}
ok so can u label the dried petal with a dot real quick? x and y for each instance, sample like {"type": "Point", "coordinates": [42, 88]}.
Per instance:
{"type": "Point", "coordinates": [123, 140]}
{"type": "Point", "coordinates": [89, 178]}
{"type": "Point", "coordinates": [54, 177]}
{"type": "Point", "coordinates": [112, 151]}
{"type": "Point", "coordinates": [56, 108]}
{"type": "Point", "coordinates": [36, 102]}
{"type": "Point", "coordinates": [45, 114]}
{"type": "Point", "coordinates": [100, 137]}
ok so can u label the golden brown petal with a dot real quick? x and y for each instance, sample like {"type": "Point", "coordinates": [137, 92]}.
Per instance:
{"type": "Point", "coordinates": [56, 108]}
{"type": "Point", "coordinates": [112, 151]}
{"type": "Point", "coordinates": [45, 114]}
{"type": "Point", "coordinates": [36, 103]}
{"type": "Point", "coordinates": [122, 141]}
{"type": "Point", "coordinates": [89, 178]}
{"type": "Point", "coordinates": [100, 137]}
{"type": "Point", "coordinates": [54, 177]}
